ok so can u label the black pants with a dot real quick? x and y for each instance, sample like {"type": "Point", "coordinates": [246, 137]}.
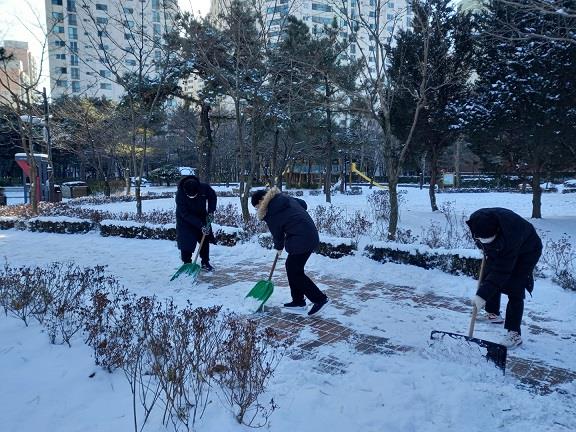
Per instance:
{"type": "Point", "coordinates": [186, 255]}
{"type": "Point", "coordinates": [514, 310]}
{"type": "Point", "coordinates": [522, 279]}
{"type": "Point", "coordinates": [300, 284]}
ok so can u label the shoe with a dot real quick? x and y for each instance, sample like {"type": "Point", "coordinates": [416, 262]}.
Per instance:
{"type": "Point", "coordinates": [491, 318]}
{"type": "Point", "coordinates": [317, 306]}
{"type": "Point", "coordinates": [512, 340]}
{"type": "Point", "coordinates": [207, 267]}
{"type": "Point", "coordinates": [294, 304]}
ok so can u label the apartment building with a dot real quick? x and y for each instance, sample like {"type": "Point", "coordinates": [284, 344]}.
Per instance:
{"type": "Point", "coordinates": [91, 41]}
{"type": "Point", "coordinates": [19, 71]}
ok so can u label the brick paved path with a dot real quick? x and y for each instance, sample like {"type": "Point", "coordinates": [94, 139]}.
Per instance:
{"type": "Point", "coordinates": [533, 374]}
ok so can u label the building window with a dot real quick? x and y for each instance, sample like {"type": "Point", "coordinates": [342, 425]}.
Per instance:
{"type": "Point", "coordinates": [76, 86]}
{"type": "Point", "coordinates": [61, 70]}
{"type": "Point", "coordinates": [129, 23]}
{"type": "Point", "coordinates": [105, 73]}
{"type": "Point", "coordinates": [155, 4]}
{"type": "Point", "coordinates": [156, 29]}
{"type": "Point", "coordinates": [353, 49]}
{"type": "Point", "coordinates": [72, 19]}
{"type": "Point", "coordinates": [74, 47]}
{"type": "Point", "coordinates": [59, 29]}
{"type": "Point", "coordinates": [71, 6]}
{"type": "Point", "coordinates": [73, 33]}
{"type": "Point", "coordinates": [61, 83]}
{"type": "Point", "coordinates": [155, 16]}
{"type": "Point", "coordinates": [131, 62]}
{"type": "Point", "coordinates": [57, 16]}
{"type": "Point", "coordinates": [127, 36]}
{"type": "Point", "coordinates": [57, 2]}
{"type": "Point", "coordinates": [106, 86]}
{"type": "Point", "coordinates": [75, 73]}
{"type": "Point", "coordinates": [131, 11]}
{"type": "Point", "coordinates": [103, 46]}
{"type": "Point", "coordinates": [101, 7]}
{"type": "Point", "coordinates": [321, 7]}
{"type": "Point", "coordinates": [60, 56]}
{"type": "Point", "coordinates": [74, 60]}
{"type": "Point", "coordinates": [101, 20]}
{"type": "Point", "coordinates": [390, 16]}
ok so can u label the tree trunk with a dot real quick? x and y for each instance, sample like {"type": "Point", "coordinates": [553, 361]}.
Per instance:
{"type": "Point", "coordinates": [433, 177]}
{"type": "Point", "coordinates": [274, 175]}
{"type": "Point", "coordinates": [393, 194]}
{"type": "Point", "coordinates": [241, 162]}
{"type": "Point", "coordinates": [206, 143]}
{"type": "Point", "coordinates": [536, 195]}
{"type": "Point", "coordinates": [328, 179]}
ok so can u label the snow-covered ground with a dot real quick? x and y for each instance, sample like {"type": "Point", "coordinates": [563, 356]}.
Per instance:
{"type": "Point", "coordinates": [48, 388]}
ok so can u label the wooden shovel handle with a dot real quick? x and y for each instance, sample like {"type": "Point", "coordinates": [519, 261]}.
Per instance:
{"type": "Point", "coordinates": [274, 264]}
{"type": "Point", "coordinates": [199, 248]}
{"type": "Point", "coordinates": [474, 309]}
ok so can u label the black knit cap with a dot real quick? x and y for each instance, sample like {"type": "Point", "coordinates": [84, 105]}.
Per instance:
{"type": "Point", "coordinates": [191, 186]}
{"type": "Point", "coordinates": [483, 225]}
{"type": "Point", "coordinates": [257, 196]}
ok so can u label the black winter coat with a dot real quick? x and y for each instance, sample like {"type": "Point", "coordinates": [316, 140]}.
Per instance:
{"type": "Point", "coordinates": [511, 257]}
{"type": "Point", "coordinates": [290, 224]}
{"type": "Point", "coordinates": [192, 213]}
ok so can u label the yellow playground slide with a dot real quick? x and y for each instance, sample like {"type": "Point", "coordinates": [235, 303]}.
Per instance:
{"type": "Point", "coordinates": [365, 177]}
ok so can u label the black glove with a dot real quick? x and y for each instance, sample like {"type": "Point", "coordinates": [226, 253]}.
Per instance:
{"type": "Point", "coordinates": [206, 229]}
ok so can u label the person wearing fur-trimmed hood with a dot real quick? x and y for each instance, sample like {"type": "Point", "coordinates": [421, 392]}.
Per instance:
{"type": "Point", "coordinates": [292, 228]}
{"type": "Point", "coordinates": [195, 206]}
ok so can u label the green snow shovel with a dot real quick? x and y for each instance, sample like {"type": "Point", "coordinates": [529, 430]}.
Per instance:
{"type": "Point", "coordinates": [493, 352]}
{"type": "Point", "coordinates": [264, 288]}
{"type": "Point", "coordinates": [190, 269]}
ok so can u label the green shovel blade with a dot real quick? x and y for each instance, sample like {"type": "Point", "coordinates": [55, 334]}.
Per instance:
{"type": "Point", "coordinates": [189, 269]}
{"type": "Point", "coordinates": [262, 290]}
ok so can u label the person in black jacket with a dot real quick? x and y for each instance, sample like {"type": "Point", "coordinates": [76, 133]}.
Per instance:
{"type": "Point", "coordinates": [195, 206]}
{"type": "Point", "coordinates": [512, 249]}
{"type": "Point", "coordinates": [292, 228]}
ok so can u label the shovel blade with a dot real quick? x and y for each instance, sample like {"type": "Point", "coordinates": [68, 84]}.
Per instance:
{"type": "Point", "coordinates": [189, 269]}
{"type": "Point", "coordinates": [262, 290]}
{"type": "Point", "coordinates": [493, 351]}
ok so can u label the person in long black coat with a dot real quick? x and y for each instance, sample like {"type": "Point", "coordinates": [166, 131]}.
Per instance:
{"type": "Point", "coordinates": [512, 249]}
{"type": "Point", "coordinates": [292, 228]}
{"type": "Point", "coordinates": [195, 206]}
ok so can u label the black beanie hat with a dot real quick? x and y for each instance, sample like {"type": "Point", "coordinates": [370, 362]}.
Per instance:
{"type": "Point", "coordinates": [191, 186]}
{"type": "Point", "coordinates": [257, 196]}
{"type": "Point", "coordinates": [483, 225]}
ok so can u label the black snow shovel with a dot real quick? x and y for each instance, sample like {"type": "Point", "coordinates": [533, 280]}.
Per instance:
{"type": "Point", "coordinates": [493, 352]}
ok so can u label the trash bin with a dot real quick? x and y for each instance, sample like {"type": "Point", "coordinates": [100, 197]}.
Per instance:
{"type": "Point", "coordinates": [74, 189]}
{"type": "Point", "coordinates": [57, 194]}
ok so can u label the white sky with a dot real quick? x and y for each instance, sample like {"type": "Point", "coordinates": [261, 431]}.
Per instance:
{"type": "Point", "coordinates": [24, 20]}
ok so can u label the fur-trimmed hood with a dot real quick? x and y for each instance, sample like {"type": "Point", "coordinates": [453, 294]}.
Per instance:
{"type": "Point", "coordinates": [265, 202]}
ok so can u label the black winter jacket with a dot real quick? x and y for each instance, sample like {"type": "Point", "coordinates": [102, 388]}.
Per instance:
{"type": "Point", "coordinates": [191, 213]}
{"type": "Point", "coordinates": [290, 224]}
{"type": "Point", "coordinates": [511, 257]}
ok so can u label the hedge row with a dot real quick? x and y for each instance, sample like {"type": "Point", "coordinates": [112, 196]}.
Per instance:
{"type": "Point", "coordinates": [326, 249]}
{"type": "Point", "coordinates": [450, 262]}
{"type": "Point", "coordinates": [48, 225]}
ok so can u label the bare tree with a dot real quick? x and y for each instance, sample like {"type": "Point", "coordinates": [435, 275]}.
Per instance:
{"type": "Point", "coordinates": [21, 108]}
{"type": "Point", "coordinates": [375, 45]}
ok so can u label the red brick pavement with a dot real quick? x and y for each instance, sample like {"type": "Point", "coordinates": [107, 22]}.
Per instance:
{"type": "Point", "coordinates": [536, 375]}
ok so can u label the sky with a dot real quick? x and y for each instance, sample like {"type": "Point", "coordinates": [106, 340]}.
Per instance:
{"type": "Point", "coordinates": [24, 20]}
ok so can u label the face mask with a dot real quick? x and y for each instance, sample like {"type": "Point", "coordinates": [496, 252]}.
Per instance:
{"type": "Point", "coordinates": [486, 240]}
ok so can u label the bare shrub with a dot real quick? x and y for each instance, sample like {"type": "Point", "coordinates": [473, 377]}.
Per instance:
{"type": "Point", "coordinates": [249, 357]}
{"type": "Point", "coordinates": [560, 257]}
{"type": "Point", "coordinates": [328, 219]}
{"type": "Point", "coordinates": [379, 203]}
{"type": "Point", "coordinates": [452, 234]}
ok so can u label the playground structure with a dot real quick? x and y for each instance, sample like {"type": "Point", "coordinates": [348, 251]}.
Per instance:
{"type": "Point", "coordinates": [355, 170]}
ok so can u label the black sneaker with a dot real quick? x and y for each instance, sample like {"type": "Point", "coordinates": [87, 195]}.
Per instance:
{"type": "Point", "coordinates": [294, 304]}
{"type": "Point", "coordinates": [317, 306]}
{"type": "Point", "coordinates": [207, 267]}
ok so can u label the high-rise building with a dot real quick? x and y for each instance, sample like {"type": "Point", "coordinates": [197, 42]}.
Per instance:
{"type": "Point", "coordinates": [369, 17]}
{"type": "Point", "coordinates": [18, 72]}
{"type": "Point", "coordinates": [91, 42]}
